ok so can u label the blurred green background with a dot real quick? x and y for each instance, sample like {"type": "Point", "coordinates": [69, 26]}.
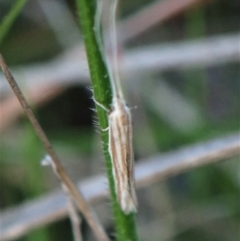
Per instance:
{"type": "Point", "coordinates": [200, 205]}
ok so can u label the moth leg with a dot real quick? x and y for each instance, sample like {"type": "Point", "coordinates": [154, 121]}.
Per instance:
{"type": "Point", "coordinates": [101, 105]}
{"type": "Point", "coordinates": [105, 129]}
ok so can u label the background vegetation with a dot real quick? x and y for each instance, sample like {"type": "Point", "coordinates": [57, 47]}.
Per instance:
{"type": "Point", "coordinates": [199, 205]}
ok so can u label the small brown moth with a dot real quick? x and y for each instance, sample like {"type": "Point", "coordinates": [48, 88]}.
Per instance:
{"type": "Point", "coordinates": [119, 125]}
{"type": "Point", "coordinates": [121, 151]}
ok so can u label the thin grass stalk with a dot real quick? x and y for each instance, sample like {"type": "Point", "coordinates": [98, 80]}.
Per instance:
{"type": "Point", "coordinates": [82, 205]}
{"type": "Point", "coordinates": [8, 21]}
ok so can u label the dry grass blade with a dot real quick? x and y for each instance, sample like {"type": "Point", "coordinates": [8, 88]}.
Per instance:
{"type": "Point", "coordinates": [78, 198]}
{"type": "Point", "coordinates": [74, 218]}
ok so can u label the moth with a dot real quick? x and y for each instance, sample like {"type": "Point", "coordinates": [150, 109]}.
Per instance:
{"type": "Point", "coordinates": [121, 152]}
{"type": "Point", "coordinates": [120, 145]}
{"type": "Point", "coordinates": [120, 148]}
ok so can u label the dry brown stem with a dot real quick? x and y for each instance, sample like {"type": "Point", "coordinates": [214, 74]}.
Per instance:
{"type": "Point", "coordinates": [63, 176]}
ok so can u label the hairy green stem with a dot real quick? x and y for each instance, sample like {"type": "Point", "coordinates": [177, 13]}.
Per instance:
{"type": "Point", "coordinates": [125, 224]}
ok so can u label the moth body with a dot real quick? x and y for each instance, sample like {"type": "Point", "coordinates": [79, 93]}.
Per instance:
{"type": "Point", "coordinates": [121, 152]}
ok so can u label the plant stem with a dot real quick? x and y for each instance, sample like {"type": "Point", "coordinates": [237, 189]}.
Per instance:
{"type": "Point", "coordinates": [10, 18]}
{"type": "Point", "coordinates": [125, 224]}
{"type": "Point", "coordinates": [82, 205]}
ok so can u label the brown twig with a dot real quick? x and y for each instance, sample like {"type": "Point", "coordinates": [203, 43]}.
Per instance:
{"type": "Point", "coordinates": [149, 171]}
{"type": "Point", "coordinates": [38, 95]}
{"type": "Point", "coordinates": [78, 198]}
